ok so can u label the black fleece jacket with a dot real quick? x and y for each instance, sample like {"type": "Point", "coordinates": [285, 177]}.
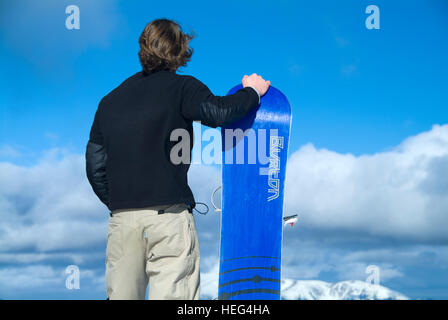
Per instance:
{"type": "Point", "coordinates": [128, 153]}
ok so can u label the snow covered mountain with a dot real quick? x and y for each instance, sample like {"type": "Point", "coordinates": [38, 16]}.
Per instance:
{"type": "Point", "coordinates": [313, 289]}
{"type": "Point", "coordinates": [344, 290]}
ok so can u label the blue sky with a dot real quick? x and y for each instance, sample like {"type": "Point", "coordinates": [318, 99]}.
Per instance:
{"type": "Point", "coordinates": [354, 91]}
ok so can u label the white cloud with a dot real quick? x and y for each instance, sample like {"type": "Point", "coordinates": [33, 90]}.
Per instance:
{"type": "Point", "coordinates": [9, 152]}
{"type": "Point", "coordinates": [30, 277]}
{"type": "Point", "coordinates": [46, 279]}
{"type": "Point", "coordinates": [47, 206]}
{"type": "Point", "coordinates": [67, 257]}
{"type": "Point", "coordinates": [209, 278]}
{"type": "Point", "coordinates": [50, 214]}
{"type": "Point", "coordinates": [400, 193]}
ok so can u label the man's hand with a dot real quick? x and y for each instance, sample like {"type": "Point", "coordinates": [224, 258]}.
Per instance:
{"type": "Point", "coordinates": [257, 82]}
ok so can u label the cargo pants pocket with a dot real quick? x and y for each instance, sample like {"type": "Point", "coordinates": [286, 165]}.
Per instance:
{"type": "Point", "coordinates": [114, 245]}
{"type": "Point", "coordinates": [168, 236]}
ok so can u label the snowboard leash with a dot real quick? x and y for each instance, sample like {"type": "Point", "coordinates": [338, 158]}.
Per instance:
{"type": "Point", "coordinates": [202, 212]}
{"type": "Point", "coordinates": [207, 209]}
{"type": "Point", "coordinates": [212, 199]}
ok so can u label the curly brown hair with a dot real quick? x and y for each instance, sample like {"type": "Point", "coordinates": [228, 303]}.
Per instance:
{"type": "Point", "coordinates": [164, 46]}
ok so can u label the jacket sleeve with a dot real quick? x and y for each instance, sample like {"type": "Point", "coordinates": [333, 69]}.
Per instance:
{"type": "Point", "coordinates": [96, 158]}
{"type": "Point", "coordinates": [200, 104]}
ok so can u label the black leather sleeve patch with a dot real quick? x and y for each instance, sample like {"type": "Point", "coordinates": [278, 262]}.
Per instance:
{"type": "Point", "coordinates": [96, 158]}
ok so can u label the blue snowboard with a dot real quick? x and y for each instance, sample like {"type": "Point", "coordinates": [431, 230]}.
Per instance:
{"type": "Point", "coordinates": [253, 177]}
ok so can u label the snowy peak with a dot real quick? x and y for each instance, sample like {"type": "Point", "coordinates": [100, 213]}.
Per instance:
{"type": "Point", "coordinates": [344, 290]}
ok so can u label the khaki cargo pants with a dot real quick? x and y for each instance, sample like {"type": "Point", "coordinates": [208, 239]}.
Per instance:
{"type": "Point", "coordinates": [144, 247]}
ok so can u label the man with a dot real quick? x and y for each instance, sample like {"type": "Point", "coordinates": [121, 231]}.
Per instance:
{"type": "Point", "coordinates": [151, 233]}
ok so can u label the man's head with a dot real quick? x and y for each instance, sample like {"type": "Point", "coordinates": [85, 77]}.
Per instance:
{"type": "Point", "coordinates": [163, 46]}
